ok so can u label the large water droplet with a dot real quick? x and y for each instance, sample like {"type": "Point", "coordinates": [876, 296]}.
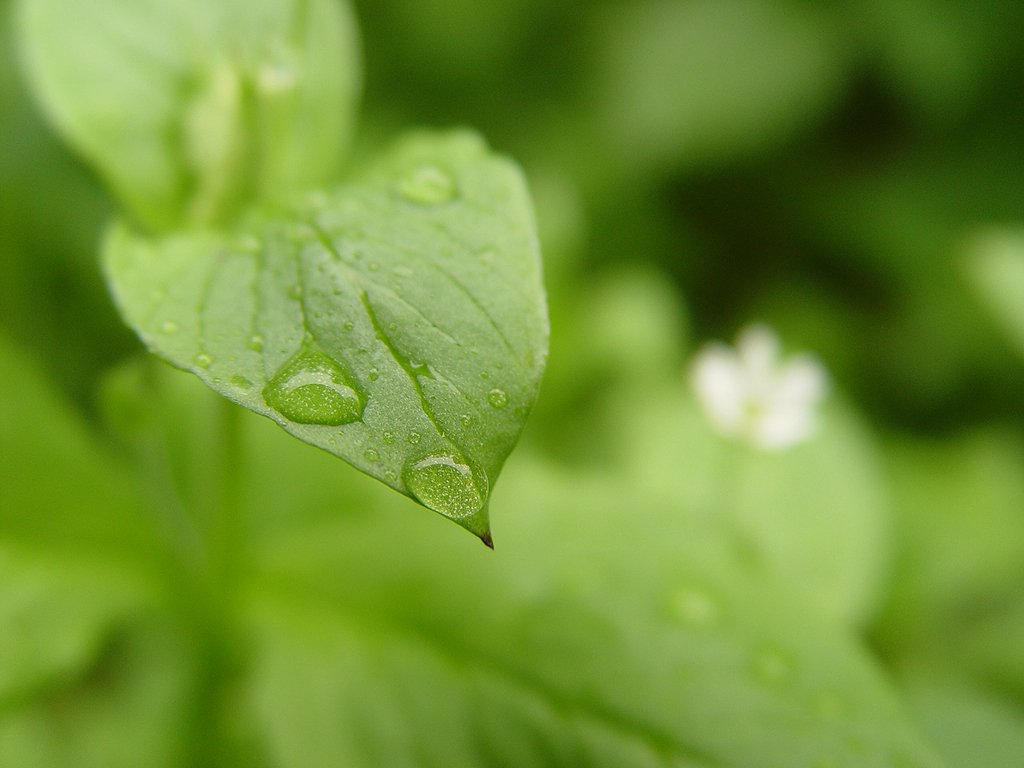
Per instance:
{"type": "Point", "coordinates": [445, 484]}
{"type": "Point", "coordinates": [427, 185]}
{"type": "Point", "coordinates": [498, 398]}
{"type": "Point", "coordinates": [313, 389]}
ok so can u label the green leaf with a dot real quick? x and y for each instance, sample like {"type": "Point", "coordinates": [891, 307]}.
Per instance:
{"type": "Point", "coordinates": [188, 109]}
{"type": "Point", "coordinates": [398, 322]}
{"type": "Point", "coordinates": [995, 267]}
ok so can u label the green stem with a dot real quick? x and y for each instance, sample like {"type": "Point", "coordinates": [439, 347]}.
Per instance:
{"type": "Point", "coordinates": [226, 512]}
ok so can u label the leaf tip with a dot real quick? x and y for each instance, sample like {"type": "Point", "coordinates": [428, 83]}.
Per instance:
{"type": "Point", "coordinates": [485, 537]}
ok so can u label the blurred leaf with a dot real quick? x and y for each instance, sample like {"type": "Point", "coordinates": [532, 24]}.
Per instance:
{"type": "Point", "coordinates": [961, 520]}
{"type": "Point", "coordinates": [227, 101]}
{"type": "Point", "coordinates": [996, 268]}
{"type": "Point", "coordinates": [812, 517]}
{"type": "Point", "coordinates": [77, 567]}
{"type": "Point", "coordinates": [700, 81]}
{"type": "Point", "coordinates": [969, 728]}
{"type": "Point", "coordinates": [398, 322]}
{"type": "Point", "coordinates": [606, 630]}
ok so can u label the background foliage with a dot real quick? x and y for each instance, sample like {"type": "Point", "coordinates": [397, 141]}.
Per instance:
{"type": "Point", "coordinates": [848, 172]}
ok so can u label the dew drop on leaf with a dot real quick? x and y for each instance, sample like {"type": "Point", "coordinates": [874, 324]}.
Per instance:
{"type": "Point", "coordinates": [772, 666]}
{"type": "Point", "coordinates": [371, 455]}
{"type": "Point", "coordinates": [427, 185]}
{"type": "Point", "coordinates": [445, 484]}
{"type": "Point", "coordinates": [389, 438]}
{"type": "Point", "coordinates": [202, 360]}
{"type": "Point", "coordinates": [414, 438]}
{"type": "Point", "coordinates": [313, 389]}
{"type": "Point", "coordinates": [695, 607]}
{"type": "Point", "coordinates": [498, 398]}
{"type": "Point", "coordinates": [256, 343]}
{"type": "Point", "coordinates": [241, 382]}
{"type": "Point", "coordinates": [169, 326]}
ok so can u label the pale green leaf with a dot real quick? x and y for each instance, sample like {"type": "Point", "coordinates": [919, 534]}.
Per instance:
{"type": "Point", "coordinates": [398, 322]}
{"type": "Point", "coordinates": [189, 108]}
{"type": "Point", "coordinates": [995, 266]}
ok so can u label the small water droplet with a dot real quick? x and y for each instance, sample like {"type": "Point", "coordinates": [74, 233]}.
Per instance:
{"type": "Point", "coordinates": [445, 484]}
{"type": "Point", "coordinates": [374, 374]}
{"type": "Point", "coordinates": [696, 607]}
{"type": "Point", "coordinates": [169, 326]}
{"type": "Point", "coordinates": [357, 254]}
{"type": "Point", "coordinates": [498, 398]}
{"type": "Point", "coordinates": [295, 292]}
{"type": "Point", "coordinates": [371, 455]}
{"type": "Point", "coordinates": [521, 412]}
{"type": "Point", "coordinates": [488, 256]}
{"type": "Point", "coordinates": [414, 438]}
{"type": "Point", "coordinates": [427, 185]}
{"type": "Point", "coordinates": [349, 325]}
{"type": "Point", "coordinates": [772, 666]}
{"type": "Point", "coordinates": [466, 419]}
{"type": "Point", "coordinates": [389, 438]}
{"type": "Point", "coordinates": [202, 360]}
{"type": "Point", "coordinates": [373, 266]}
{"type": "Point", "coordinates": [390, 475]}
{"type": "Point", "coordinates": [256, 343]}
{"type": "Point", "coordinates": [484, 375]}
{"type": "Point", "coordinates": [241, 382]}
{"type": "Point", "coordinates": [313, 389]}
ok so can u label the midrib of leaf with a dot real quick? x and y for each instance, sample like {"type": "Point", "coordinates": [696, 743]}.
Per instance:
{"type": "Point", "coordinates": [459, 654]}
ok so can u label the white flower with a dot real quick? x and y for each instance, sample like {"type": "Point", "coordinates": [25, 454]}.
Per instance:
{"type": "Point", "coordinates": [750, 394]}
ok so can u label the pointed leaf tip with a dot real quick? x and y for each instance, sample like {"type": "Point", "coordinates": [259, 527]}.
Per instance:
{"type": "Point", "coordinates": [487, 540]}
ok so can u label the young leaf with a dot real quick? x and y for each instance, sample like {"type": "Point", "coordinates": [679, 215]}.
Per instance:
{"type": "Point", "coordinates": [188, 108]}
{"type": "Point", "coordinates": [398, 322]}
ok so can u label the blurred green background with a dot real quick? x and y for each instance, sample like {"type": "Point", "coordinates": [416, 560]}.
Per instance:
{"type": "Point", "coordinates": [848, 172]}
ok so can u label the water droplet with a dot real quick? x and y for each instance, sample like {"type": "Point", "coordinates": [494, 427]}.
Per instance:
{"type": "Point", "coordinates": [696, 607]}
{"type": "Point", "coordinates": [313, 389]}
{"type": "Point", "coordinates": [466, 419]}
{"type": "Point", "coordinates": [427, 185]}
{"type": "Point", "coordinates": [390, 475]}
{"type": "Point", "coordinates": [202, 360]}
{"type": "Point", "coordinates": [295, 292]}
{"type": "Point", "coordinates": [374, 374]}
{"type": "Point", "coordinates": [445, 484]}
{"type": "Point", "coordinates": [169, 326]}
{"type": "Point", "coordinates": [488, 256]}
{"type": "Point", "coordinates": [256, 343]}
{"type": "Point", "coordinates": [373, 266]}
{"type": "Point", "coordinates": [414, 438]}
{"type": "Point", "coordinates": [349, 325]}
{"type": "Point", "coordinates": [389, 438]}
{"type": "Point", "coordinates": [484, 375]}
{"type": "Point", "coordinates": [772, 666]}
{"type": "Point", "coordinates": [241, 382]}
{"type": "Point", "coordinates": [371, 455]}
{"type": "Point", "coordinates": [498, 398]}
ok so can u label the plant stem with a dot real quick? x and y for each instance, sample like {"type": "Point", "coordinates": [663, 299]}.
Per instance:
{"type": "Point", "coordinates": [226, 510]}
